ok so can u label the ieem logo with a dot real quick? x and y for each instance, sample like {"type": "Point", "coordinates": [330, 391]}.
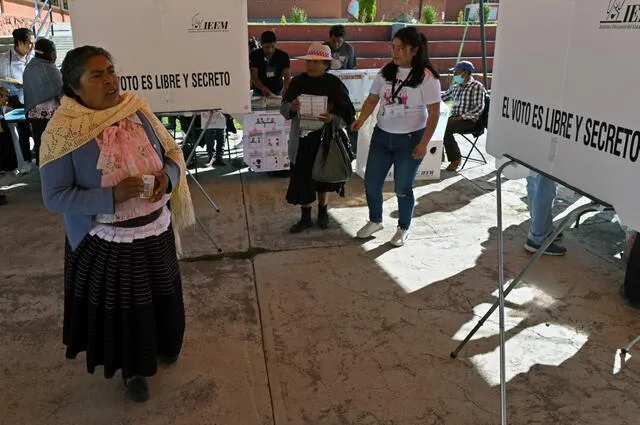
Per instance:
{"type": "Point", "coordinates": [200, 24]}
{"type": "Point", "coordinates": [621, 15]}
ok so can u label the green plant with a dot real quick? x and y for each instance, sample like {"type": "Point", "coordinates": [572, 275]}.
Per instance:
{"type": "Point", "coordinates": [283, 19]}
{"type": "Point", "coordinates": [298, 15]}
{"type": "Point", "coordinates": [368, 10]}
{"type": "Point", "coordinates": [460, 17]}
{"type": "Point", "coordinates": [429, 14]}
{"type": "Point", "coordinates": [487, 12]}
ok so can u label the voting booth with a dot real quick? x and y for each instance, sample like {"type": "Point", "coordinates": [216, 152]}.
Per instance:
{"type": "Point", "coordinates": [187, 55]}
{"type": "Point", "coordinates": [558, 103]}
{"type": "Point", "coordinates": [560, 108]}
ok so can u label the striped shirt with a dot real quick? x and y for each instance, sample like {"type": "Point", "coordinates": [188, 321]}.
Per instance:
{"type": "Point", "coordinates": [468, 100]}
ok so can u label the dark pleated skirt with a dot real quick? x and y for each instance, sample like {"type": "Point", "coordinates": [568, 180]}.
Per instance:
{"type": "Point", "coordinates": [123, 304]}
{"type": "Point", "coordinates": [302, 188]}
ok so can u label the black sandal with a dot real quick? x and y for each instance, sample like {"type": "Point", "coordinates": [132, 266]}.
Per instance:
{"type": "Point", "coordinates": [137, 389]}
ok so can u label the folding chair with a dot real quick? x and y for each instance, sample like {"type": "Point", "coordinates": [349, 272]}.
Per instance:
{"type": "Point", "coordinates": [478, 131]}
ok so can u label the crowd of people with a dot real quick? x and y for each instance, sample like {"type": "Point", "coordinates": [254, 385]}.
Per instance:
{"type": "Point", "coordinates": [29, 80]}
{"type": "Point", "coordinates": [95, 146]}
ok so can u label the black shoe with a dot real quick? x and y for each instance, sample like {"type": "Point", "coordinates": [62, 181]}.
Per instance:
{"type": "Point", "coordinates": [553, 249]}
{"type": "Point", "coordinates": [137, 389]}
{"type": "Point", "coordinates": [300, 226]}
{"type": "Point", "coordinates": [627, 301]}
{"type": "Point", "coordinates": [166, 360]}
{"type": "Point", "coordinates": [219, 161]}
{"type": "Point", "coordinates": [323, 217]}
{"type": "Point", "coordinates": [3, 199]}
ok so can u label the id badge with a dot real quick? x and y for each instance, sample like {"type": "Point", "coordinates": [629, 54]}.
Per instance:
{"type": "Point", "coordinates": [395, 111]}
{"type": "Point", "coordinates": [271, 72]}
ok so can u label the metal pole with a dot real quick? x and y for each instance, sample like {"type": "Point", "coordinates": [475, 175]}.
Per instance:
{"type": "Point", "coordinates": [483, 44]}
{"type": "Point", "coordinates": [503, 375]}
{"type": "Point", "coordinates": [564, 224]}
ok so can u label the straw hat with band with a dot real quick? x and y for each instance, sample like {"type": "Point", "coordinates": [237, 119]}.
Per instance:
{"type": "Point", "coordinates": [318, 52]}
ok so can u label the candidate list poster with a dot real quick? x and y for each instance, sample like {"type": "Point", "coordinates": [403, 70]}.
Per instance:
{"type": "Point", "coordinates": [555, 105]}
{"type": "Point", "coordinates": [187, 55]}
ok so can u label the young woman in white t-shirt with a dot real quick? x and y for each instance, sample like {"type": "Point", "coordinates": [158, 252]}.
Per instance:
{"type": "Point", "coordinates": [408, 89]}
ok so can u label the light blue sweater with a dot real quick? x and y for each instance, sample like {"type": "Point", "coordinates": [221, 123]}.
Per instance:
{"type": "Point", "coordinates": [71, 185]}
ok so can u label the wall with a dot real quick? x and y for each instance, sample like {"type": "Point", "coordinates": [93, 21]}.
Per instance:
{"type": "Point", "coordinates": [276, 8]}
{"type": "Point", "coordinates": [387, 9]}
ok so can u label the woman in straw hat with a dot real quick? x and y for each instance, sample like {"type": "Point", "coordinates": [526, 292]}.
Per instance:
{"type": "Point", "coordinates": [304, 144]}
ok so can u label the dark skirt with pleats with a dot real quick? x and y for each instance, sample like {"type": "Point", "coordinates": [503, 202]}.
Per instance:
{"type": "Point", "coordinates": [123, 304]}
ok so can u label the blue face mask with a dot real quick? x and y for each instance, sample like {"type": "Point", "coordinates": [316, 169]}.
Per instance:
{"type": "Point", "coordinates": [458, 79]}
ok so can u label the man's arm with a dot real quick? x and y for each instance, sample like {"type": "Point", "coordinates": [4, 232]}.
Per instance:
{"type": "Point", "coordinates": [352, 58]}
{"type": "Point", "coordinates": [286, 74]}
{"type": "Point", "coordinates": [475, 104]}
{"type": "Point", "coordinates": [447, 95]}
{"type": "Point", "coordinates": [255, 79]}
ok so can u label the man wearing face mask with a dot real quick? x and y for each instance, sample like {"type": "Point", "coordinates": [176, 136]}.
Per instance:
{"type": "Point", "coordinates": [467, 95]}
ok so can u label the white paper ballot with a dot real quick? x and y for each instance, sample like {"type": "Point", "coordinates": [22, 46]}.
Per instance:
{"type": "Point", "coordinates": [312, 106]}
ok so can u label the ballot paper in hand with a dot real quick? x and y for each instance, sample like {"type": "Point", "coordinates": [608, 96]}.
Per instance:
{"type": "Point", "coordinates": [311, 107]}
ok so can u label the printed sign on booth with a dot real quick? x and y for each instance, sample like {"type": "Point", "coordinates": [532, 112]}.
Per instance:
{"type": "Point", "coordinates": [561, 107]}
{"type": "Point", "coordinates": [189, 55]}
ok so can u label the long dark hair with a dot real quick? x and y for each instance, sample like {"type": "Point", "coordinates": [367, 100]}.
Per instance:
{"type": "Point", "coordinates": [74, 65]}
{"type": "Point", "coordinates": [410, 37]}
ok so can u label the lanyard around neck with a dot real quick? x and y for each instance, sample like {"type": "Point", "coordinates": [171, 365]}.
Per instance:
{"type": "Point", "coordinates": [394, 92]}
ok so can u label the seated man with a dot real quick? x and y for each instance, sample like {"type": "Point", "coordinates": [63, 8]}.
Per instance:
{"type": "Point", "coordinates": [270, 68]}
{"type": "Point", "coordinates": [344, 56]}
{"type": "Point", "coordinates": [468, 103]}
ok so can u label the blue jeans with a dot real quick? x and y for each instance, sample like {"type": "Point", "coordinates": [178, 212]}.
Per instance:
{"type": "Point", "coordinates": [389, 149]}
{"type": "Point", "coordinates": [541, 192]}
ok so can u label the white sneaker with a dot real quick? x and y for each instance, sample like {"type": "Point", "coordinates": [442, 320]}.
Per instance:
{"type": "Point", "coordinates": [369, 229]}
{"type": "Point", "coordinates": [400, 237]}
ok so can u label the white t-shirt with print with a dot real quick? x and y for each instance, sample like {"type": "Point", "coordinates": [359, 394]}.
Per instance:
{"type": "Point", "coordinates": [414, 99]}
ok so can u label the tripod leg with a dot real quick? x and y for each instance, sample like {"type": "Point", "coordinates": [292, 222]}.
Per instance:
{"type": "Point", "coordinates": [563, 225]}
{"type": "Point", "coordinates": [206, 232]}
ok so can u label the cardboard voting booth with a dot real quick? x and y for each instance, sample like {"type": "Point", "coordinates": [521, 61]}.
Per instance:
{"type": "Point", "coordinates": [181, 56]}
{"type": "Point", "coordinates": [556, 102]}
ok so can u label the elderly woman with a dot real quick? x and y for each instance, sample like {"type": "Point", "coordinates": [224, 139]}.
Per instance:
{"type": "Point", "coordinates": [42, 90]}
{"type": "Point", "coordinates": [304, 144]}
{"type": "Point", "coordinates": [123, 295]}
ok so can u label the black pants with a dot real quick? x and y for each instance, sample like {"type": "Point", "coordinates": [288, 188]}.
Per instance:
{"type": "Point", "coordinates": [214, 137]}
{"type": "Point", "coordinates": [450, 144]}
{"type": "Point", "coordinates": [8, 160]}
{"type": "Point", "coordinates": [24, 130]}
{"type": "Point", "coordinates": [37, 128]}
{"type": "Point", "coordinates": [632, 276]}
{"type": "Point", "coordinates": [24, 134]}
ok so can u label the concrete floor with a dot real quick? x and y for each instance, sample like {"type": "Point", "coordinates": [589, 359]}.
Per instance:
{"type": "Point", "coordinates": [322, 328]}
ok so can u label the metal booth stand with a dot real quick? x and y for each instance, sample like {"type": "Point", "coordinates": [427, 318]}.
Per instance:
{"type": "Point", "coordinates": [594, 205]}
{"type": "Point", "coordinates": [194, 178]}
